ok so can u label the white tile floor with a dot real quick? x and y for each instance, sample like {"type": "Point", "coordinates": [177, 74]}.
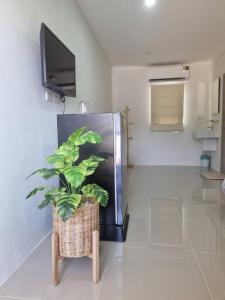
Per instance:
{"type": "Point", "coordinates": [175, 248]}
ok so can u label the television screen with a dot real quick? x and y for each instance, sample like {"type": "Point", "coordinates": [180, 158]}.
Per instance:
{"type": "Point", "coordinates": [58, 64]}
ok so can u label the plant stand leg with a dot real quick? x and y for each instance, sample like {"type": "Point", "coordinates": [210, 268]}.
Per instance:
{"type": "Point", "coordinates": [55, 255]}
{"type": "Point", "coordinates": [60, 257]}
{"type": "Point", "coordinates": [95, 245]}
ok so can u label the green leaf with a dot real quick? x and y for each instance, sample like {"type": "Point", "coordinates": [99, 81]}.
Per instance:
{"type": "Point", "coordinates": [65, 213]}
{"type": "Point", "coordinates": [54, 193]}
{"type": "Point", "coordinates": [97, 158]}
{"type": "Point", "coordinates": [89, 137]}
{"type": "Point", "coordinates": [75, 175]}
{"type": "Point", "coordinates": [69, 152]}
{"type": "Point", "coordinates": [45, 202]}
{"type": "Point", "coordinates": [57, 160]}
{"type": "Point", "coordinates": [35, 191]}
{"type": "Point", "coordinates": [94, 190]}
{"type": "Point", "coordinates": [67, 205]}
{"type": "Point", "coordinates": [45, 173]}
{"type": "Point", "coordinates": [74, 136]}
{"type": "Point", "coordinates": [73, 155]}
{"type": "Point", "coordinates": [73, 199]}
{"type": "Point", "coordinates": [91, 164]}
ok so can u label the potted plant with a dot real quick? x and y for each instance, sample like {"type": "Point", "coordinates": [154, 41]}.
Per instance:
{"type": "Point", "coordinates": [75, 203]}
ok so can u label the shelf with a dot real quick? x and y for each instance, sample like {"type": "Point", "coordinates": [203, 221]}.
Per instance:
{"type": "Point", "coordinates": [205, 134]}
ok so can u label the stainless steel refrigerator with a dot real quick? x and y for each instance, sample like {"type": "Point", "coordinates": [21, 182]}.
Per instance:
{"type": "Point", "coordinates": [112, 174]}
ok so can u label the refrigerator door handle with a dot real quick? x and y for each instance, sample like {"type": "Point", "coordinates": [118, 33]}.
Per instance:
{"type": "Point", "coordinates": [118, 168]}
{"type": "Point", "coordinates": [115, 166]}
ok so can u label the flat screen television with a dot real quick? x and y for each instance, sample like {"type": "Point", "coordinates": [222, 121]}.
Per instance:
{"type": "Point", "coordinates": [58, 64]}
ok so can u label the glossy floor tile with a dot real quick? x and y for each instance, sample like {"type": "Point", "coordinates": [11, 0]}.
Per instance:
{"type": "Point", "coordinates": [175, 248]}
{"type": "Point", "coordinates": [213, 267]}
{"type": "Point", "coordinates": [157, 224]}
{"type": "Point", "coordinates": [204, 228]}
{"type": "Point", "coordinates": [153, 274]}
{"type": "Point", "coordinates": [33, 279]}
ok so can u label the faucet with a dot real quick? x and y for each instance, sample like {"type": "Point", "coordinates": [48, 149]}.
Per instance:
{"type": "Point", "coordinates": [212, 122]}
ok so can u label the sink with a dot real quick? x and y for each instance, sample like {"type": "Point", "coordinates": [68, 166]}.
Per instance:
{"type": "Point", "coordinates": [205, 133]}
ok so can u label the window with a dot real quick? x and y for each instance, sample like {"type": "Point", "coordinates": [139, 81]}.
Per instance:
{"type": "Point", "coordinates": [167, 106]}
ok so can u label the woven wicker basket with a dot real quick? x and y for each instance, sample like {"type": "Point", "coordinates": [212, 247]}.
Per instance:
{"type": "Point", "coordinates": [75, 235]}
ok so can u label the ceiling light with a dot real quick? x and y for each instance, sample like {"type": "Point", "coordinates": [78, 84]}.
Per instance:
{"type": "Point", "coordinates": [150, 2]}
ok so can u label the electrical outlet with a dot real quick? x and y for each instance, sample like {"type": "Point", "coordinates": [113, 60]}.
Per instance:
{"type": "Point", "coordinates": [52, 97]}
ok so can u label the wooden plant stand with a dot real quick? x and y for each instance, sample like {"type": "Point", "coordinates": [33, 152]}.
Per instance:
{"type": "Point", "coordinates": [56, 257]}
{"type": "Point", "coordinates": [129, 138]}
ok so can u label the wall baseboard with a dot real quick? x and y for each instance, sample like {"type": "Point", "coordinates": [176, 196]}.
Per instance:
{"type": "Point", "coordinates": [26, 257]}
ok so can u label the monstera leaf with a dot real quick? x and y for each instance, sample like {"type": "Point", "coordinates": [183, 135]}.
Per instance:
{"type": "Point", "coordinates": [75, 175]}
{"type": "Point", "coordinates": [37, 190]}
{"type": "Point", "coordinates": [89, 137]}
{"type": "Point", "coordinates": [67, 205]}
{"type": "Point", "coordinates": [74, 136]}
{"type": "Point", "coordinates": [69, 153]}
{"type": "Point", "coordinates": [56, 193]}
{"type": "Point", "coordinates": [94, 190]}
{"type": "Point", "coordinates": [47, 200]}
{"type": "Point", "coordinates": [45, 173]}
{"type": "Point", "coordinates": [91, 164]}
{"type": "Point", "coordinates": [57, 160]}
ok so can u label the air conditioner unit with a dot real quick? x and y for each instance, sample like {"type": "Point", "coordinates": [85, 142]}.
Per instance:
{"type": "Point", "coordinates": [169, 73]}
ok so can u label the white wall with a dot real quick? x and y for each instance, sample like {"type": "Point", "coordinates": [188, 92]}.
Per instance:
{"type": "Point", "coordinates": [130, 87]}
{"type": "Point", "coordinates": [218, 70]}
{"type": "Point", "coordinates": [28, 124]}
{"type": "Point", "coordinates": [219, 65]}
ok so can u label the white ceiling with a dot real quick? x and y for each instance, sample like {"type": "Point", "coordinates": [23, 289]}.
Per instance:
{"type": "Point", "coordinates": [174, 30]}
